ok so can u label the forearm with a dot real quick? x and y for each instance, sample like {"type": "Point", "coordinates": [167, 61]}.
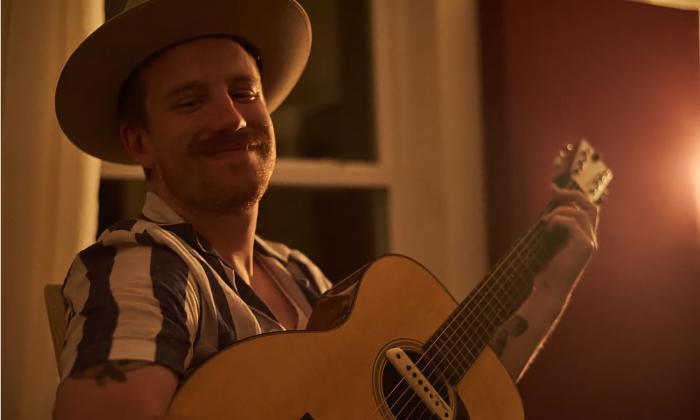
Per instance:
{"type": "Point", "coordinates": [519, 339]}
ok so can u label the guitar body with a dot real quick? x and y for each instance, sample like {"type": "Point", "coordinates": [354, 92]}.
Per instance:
{"type": "Point", "coordinates": [338, 373]}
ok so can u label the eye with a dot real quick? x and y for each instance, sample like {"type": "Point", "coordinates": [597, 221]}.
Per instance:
{"type": "Point", "coordinates": [188, 104]}
{"type": "Point", "coordinates": [245, 96]}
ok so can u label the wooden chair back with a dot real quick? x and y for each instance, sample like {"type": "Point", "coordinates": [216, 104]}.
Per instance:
{"type": "Point", "coordinates": [56, 309]}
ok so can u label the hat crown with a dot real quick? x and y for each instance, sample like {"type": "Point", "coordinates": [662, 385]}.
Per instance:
{"type": "Point", "coordinates": [90, 82]}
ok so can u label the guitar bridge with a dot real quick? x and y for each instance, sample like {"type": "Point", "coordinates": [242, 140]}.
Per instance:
{"type": "Point", "coordinates": [418, 382]}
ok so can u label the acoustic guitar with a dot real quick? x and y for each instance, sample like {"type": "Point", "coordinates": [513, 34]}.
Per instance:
{"type": "Point", "coordinates": [403, 350]}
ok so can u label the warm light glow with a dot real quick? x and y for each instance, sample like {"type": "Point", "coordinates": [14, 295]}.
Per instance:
{"type": "Point", "coordinates": [696, 179]}
{"type": "Point", "coordinates": [678, 4]}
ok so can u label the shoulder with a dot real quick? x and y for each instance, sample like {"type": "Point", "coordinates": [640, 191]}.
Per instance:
{"type": "Point", "coordinates": [128, 242]}
{"type": "Point", "coordinates": [128, 297]}
{"type": "Point", "coordinates": [128, 256]}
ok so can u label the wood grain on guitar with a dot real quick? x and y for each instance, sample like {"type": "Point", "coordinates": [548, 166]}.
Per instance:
{"type": "Point", "coordinates": [393, 307]}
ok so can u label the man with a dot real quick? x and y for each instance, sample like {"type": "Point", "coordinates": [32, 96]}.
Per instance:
{"type": "Point", "coordinates": [185, 89]}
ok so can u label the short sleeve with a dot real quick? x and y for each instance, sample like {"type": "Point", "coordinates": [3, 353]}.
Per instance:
{"type": "Point", "coordinates": [129, 302]}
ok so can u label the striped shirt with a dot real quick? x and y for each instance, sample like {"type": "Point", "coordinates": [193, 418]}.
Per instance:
{"type": "Point", "coordinates": [153, 289]}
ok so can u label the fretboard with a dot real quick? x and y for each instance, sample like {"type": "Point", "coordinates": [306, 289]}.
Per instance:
{"type": "Point", "coordinates": [461, 338]}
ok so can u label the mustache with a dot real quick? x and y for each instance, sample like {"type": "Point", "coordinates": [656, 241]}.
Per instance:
{"type": "Point", "coordinates": [223, 141]}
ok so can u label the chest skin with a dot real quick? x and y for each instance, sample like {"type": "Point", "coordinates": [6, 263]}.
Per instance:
{"type": "Point", "coordinates": [269, 291]}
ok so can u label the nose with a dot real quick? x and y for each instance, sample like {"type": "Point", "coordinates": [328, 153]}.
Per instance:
{"type": "Point", "coordinates": [229, 116]}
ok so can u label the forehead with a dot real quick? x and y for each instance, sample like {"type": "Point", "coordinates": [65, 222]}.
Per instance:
{"type": "Point", "coordinates": [201, 60]}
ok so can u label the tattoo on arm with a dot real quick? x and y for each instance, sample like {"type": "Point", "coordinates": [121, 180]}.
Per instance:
{"type": "Point", "coordinates": [113, 370]}
{"type": "Point", "coordinates": [514, 327]}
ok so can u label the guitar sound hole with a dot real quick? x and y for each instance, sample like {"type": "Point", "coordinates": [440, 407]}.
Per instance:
{"type": "Point", "coordinates": [403, 403]}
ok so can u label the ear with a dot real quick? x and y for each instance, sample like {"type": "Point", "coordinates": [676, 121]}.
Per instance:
{"type": "Point", "coordinates": [137, 144]}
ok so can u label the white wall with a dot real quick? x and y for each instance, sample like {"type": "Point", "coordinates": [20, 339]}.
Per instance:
{"type": "Point", "coordinates": [430, 108]}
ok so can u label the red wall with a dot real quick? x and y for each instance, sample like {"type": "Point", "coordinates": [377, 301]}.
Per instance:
{"type": "Point", "coordinates": [625, 76]}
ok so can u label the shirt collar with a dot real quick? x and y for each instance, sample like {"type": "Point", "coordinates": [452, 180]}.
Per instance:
{"type": "Point", "coordinates": [266, 248]}
{"type": "Point", "coordinates": [158, 211]}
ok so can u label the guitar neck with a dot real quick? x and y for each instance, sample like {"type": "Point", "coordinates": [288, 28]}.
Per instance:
{"type": "Point", "coordinates": [462, 337]}
{"type": "Point", "coordinates": [467, 331]}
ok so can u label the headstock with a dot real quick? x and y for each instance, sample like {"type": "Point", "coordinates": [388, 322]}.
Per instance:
{"type": "Point", "coordinates": [582, 168]}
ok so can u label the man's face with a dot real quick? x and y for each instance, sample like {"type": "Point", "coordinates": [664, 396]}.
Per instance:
{"type": "Point", "coordinates": [210, 141]}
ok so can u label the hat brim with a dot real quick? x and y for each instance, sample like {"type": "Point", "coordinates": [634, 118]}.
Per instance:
{"type": "Point", "coordinates": [89, 85]}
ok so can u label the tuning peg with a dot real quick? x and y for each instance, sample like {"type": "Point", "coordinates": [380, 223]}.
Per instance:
{"type": "Point", "coordinates": [558, 162]}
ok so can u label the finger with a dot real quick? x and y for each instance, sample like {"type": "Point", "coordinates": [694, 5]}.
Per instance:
{"type": "Point", "coordinates": [578, 236]}
{"type": "Point", "coordinates": [564, 196]}
{"type": "Point", "coordinates": [577, 214]}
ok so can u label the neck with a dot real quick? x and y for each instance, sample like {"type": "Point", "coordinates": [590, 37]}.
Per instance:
{"type": "Point", "coordinates": [231, 234]}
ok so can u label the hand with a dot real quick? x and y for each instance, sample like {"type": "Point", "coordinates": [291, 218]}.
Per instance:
{"type": "Point", "coordinates": [578, 217]}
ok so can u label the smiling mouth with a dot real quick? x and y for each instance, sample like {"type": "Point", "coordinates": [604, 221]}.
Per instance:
{"type": "Point", "coordinates": [247, 147]}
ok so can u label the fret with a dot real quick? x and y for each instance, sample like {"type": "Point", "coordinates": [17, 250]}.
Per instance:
{"type": "Point", "coordinates": [502, 308]}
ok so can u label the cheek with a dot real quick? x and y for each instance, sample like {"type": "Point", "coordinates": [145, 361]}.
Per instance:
{"type": "Point", "coordinates": [169, 150]}
{"type": "Point", "coordinates": [172, 137]}
{"type": "Point", "coordinates": [269, 129]}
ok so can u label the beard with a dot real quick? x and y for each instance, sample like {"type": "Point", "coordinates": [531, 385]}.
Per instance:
{"type": "Point", "coordinates": [226, 187]}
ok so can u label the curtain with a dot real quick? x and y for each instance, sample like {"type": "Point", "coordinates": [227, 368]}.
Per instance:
{"type": "Point", "coordinates": [49, 192]}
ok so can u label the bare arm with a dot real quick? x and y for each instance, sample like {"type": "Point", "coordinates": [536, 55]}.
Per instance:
{"type": "Point", "coordinates": [116, 390]}
{"type": "Point", "coordinates": [520, 338]}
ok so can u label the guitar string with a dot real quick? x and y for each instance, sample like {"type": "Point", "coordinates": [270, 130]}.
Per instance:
{"type": "Point", "coordinates": [456, 317]}
{"type": "Point", "coordinates": [500, 267]}
{"type": "Point", "coordinates": [489, 294]}
{"type": "Point", "coordinates": [526, 240]}
{"type": "Point", "coordinates": [533, 235]}
{"type": "Point", "coordinates": [497, 308]}
{"type": "Point", "coordinates": [424, 410]}
{"type": "Point", "coordinates": [492, 304]}
{"type": "Point", "coordinates": [505, 261]}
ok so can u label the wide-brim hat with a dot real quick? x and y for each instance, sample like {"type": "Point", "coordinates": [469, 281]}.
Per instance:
{"type": "Point", "coordinates": [89, 85]}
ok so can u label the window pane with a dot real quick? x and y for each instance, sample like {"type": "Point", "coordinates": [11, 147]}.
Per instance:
{"type": "Point", "coordinates": [339, 229]}
{"type": "Point", "coordinates": [119, 200]}
{"type": "Point", "coordinates": [330, 113]}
